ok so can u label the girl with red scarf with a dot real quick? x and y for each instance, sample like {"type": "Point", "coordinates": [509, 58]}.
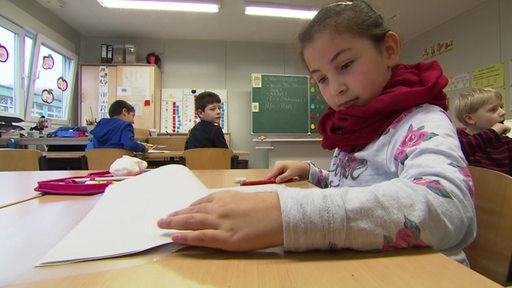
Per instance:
{"type": "Point", "coordinates": [398, 178]}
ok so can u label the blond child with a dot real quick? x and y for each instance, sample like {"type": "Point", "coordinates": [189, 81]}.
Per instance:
{"type": "Point", "coordinates": [483, 139]}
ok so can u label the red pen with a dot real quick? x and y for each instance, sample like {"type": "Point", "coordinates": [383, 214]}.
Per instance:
{"type": "Point", "coordinates": [263, 182]}
{"type": "Point", "coordinates": [258, 182]}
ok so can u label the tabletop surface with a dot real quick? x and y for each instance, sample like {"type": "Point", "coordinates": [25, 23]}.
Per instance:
{"type": "Point", "coordinates": [31, 228]}
{"type": "Point", "coordinates": [160, 155]}
{"type": "Point", "coordinates": [47, 141]}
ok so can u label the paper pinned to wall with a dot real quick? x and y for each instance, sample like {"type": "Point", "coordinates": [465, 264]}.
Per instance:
{"type": "Point", "coordinates": [135, 83]}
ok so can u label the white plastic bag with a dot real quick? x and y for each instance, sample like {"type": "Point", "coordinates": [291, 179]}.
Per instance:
{"type": "Point", "coordinates": [128, 166]}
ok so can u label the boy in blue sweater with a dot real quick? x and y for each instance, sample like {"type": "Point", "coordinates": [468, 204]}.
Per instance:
{"type": "Point", "coordinates": [116, 131]}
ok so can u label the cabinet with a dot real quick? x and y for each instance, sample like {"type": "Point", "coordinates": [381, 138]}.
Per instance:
{"type": "Point", "coordinates": [139, 85]}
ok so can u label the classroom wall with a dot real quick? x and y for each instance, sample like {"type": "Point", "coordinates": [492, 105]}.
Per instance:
{"type": "Point", "coordinates": [34, 16]}
{"type": "Point", "coordinates": [481, 38]}
{"type": "Point", "coordinates": [214, 65]}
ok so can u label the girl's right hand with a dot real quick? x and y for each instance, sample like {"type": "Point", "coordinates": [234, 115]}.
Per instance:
{"type": "Point", "coordinates": [286, 170]}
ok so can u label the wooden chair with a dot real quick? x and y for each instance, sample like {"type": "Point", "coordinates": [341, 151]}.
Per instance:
{"type": "Point", "coordinates": [102, 158]}
{"type": "Point", "coordinates": [210, 158]}
{"type": "Point", "coordinates": [22, 160]}
{"type": "Point", "coordinates": [176, 142]}
{"type": "Point", "coordinates": [491, 252]}
{"type": "Point", "coordinates": [141, 135]}
{"type": "Point", "coordinates": [171, 143]}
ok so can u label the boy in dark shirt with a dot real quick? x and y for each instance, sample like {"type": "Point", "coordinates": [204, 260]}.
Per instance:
{"type": "Point", "coordinates": [117, 131]}
{"type": "Point", "coordinates": [207, 133]}
{"type": "Point", "coordinates": [483, 140]}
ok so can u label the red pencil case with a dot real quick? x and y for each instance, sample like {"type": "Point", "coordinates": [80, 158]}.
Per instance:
{"type": "Point", "coordinates": [70, 185]}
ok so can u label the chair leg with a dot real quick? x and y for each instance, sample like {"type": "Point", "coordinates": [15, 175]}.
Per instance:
{"type": "Point", "coordinates": [234, 162]}
{"type": "Point", "coordinates": [83, 160]}
{"type": "Point", "coordinates": [43, 163]}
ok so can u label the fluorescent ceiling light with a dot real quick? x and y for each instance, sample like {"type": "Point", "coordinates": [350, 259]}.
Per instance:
{"type": "Point", "coordinates": [261, 9]}
{"type": "Point", "coordinates": [200, 6]}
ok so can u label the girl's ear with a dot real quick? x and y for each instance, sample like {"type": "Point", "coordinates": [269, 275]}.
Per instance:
{"type": "Point", "coordinates": [469, 119]}
{"type": "Point", "coordinates": [392, 48]}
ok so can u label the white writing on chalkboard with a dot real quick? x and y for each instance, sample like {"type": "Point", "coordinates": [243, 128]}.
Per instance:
{"type": "Point", "coordinates": [282, 104]}
{"type": "Point", "coordinates": [279, 98]}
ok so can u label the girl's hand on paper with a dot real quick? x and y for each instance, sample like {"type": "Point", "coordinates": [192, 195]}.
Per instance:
{"type": "Point", "coordinates": [229, 220]}
{"type": "Point", "coordinates": [286, 170]}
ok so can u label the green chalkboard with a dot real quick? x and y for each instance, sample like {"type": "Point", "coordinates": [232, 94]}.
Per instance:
{"type": "Point", "coordinates": [280, 103]}
{"type": "Point", "coordinates": [285, 104]}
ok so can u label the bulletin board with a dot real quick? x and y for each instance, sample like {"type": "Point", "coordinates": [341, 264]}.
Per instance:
{"type": "Point", "coordinates": [285, 104]}
{"type": "Point", "coordinates": [178, 109]}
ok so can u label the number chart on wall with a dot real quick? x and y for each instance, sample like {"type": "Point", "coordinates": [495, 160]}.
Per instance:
{"type": "Point", "coordinates": [178, 112]}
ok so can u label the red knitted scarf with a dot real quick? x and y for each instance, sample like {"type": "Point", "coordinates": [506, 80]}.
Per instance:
{"type": "Point", "coordinates": [410, 85]}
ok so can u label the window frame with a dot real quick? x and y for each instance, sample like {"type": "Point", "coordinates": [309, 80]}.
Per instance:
{"type": "Point", "coordinates": [19, 90]}
{"type": "Point", "coordinates": [38, 40]}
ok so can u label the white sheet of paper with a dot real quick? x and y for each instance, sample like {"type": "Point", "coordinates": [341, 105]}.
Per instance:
{"type": "Point", "coordinates": [124, 221]}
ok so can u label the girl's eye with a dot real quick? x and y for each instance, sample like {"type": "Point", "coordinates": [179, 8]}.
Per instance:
{"type": "Point", "coordinates": [346, 65]}
{"type": "Point", "coordinates": [321, 80]}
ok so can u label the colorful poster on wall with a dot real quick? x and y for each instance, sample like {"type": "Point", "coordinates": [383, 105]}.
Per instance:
{"type": "Point", "coordinates": [178, 111]}
{"type": "Point", "coordinates": [103, 92]}
{"type": "Point", "coordinates": [490, 76]}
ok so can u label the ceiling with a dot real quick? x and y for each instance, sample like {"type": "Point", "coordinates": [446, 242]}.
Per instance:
{"type": "Point", "coordinates": [409, 18]}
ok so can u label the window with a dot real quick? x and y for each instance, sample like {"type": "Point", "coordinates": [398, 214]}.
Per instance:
{"type": "Point", "coordinates": [11, 70]}
{"type": "Point", "coordinates": [52, 82]}
{"type": "Point", "coordinates": [37, 76]}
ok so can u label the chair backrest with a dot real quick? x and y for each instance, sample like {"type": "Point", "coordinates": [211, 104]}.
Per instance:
{"type": "Point", "coordinates": [172, 143]}
{"type": "Point", "coordinates": [140, 134]}
{"type": "Point", "coordinates": [491, 252]}
{"type": "Point", "coordinates": [176, 142]}
{"type": "Point", "coordinates": [102, 158]}
{"type": "Point", "coordinates": [210, 158]}
{"type": "Point", "coordinates": [21, 160]}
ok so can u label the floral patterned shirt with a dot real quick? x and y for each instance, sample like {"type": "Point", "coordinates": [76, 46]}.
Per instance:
{"type": "Point", "coordinates": [409, 188]}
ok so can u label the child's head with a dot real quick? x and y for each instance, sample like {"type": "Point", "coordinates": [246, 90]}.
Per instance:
{"type": "Point", "coordinates": [479, 108]}
{"type": "Point", "coordinates": [208, 106]}
{"type": "Point", "coordinates": [349, 53]}
{"type": "Point", "coordinates": [122, 110]}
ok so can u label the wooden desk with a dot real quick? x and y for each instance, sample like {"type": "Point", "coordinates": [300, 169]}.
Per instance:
{"type": "Point", "coordinates": [64, 154]}
{"type": "Point", "coordinates": [151, 156]}
{"type": "Point", "coordinates": [173, 155]}
{"type": "Point", "coordinates": [31, 228]}
{"type": "Point", "coordinates": [19, 185]}
{"type": "Point", "coordinates": [47, 141]}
